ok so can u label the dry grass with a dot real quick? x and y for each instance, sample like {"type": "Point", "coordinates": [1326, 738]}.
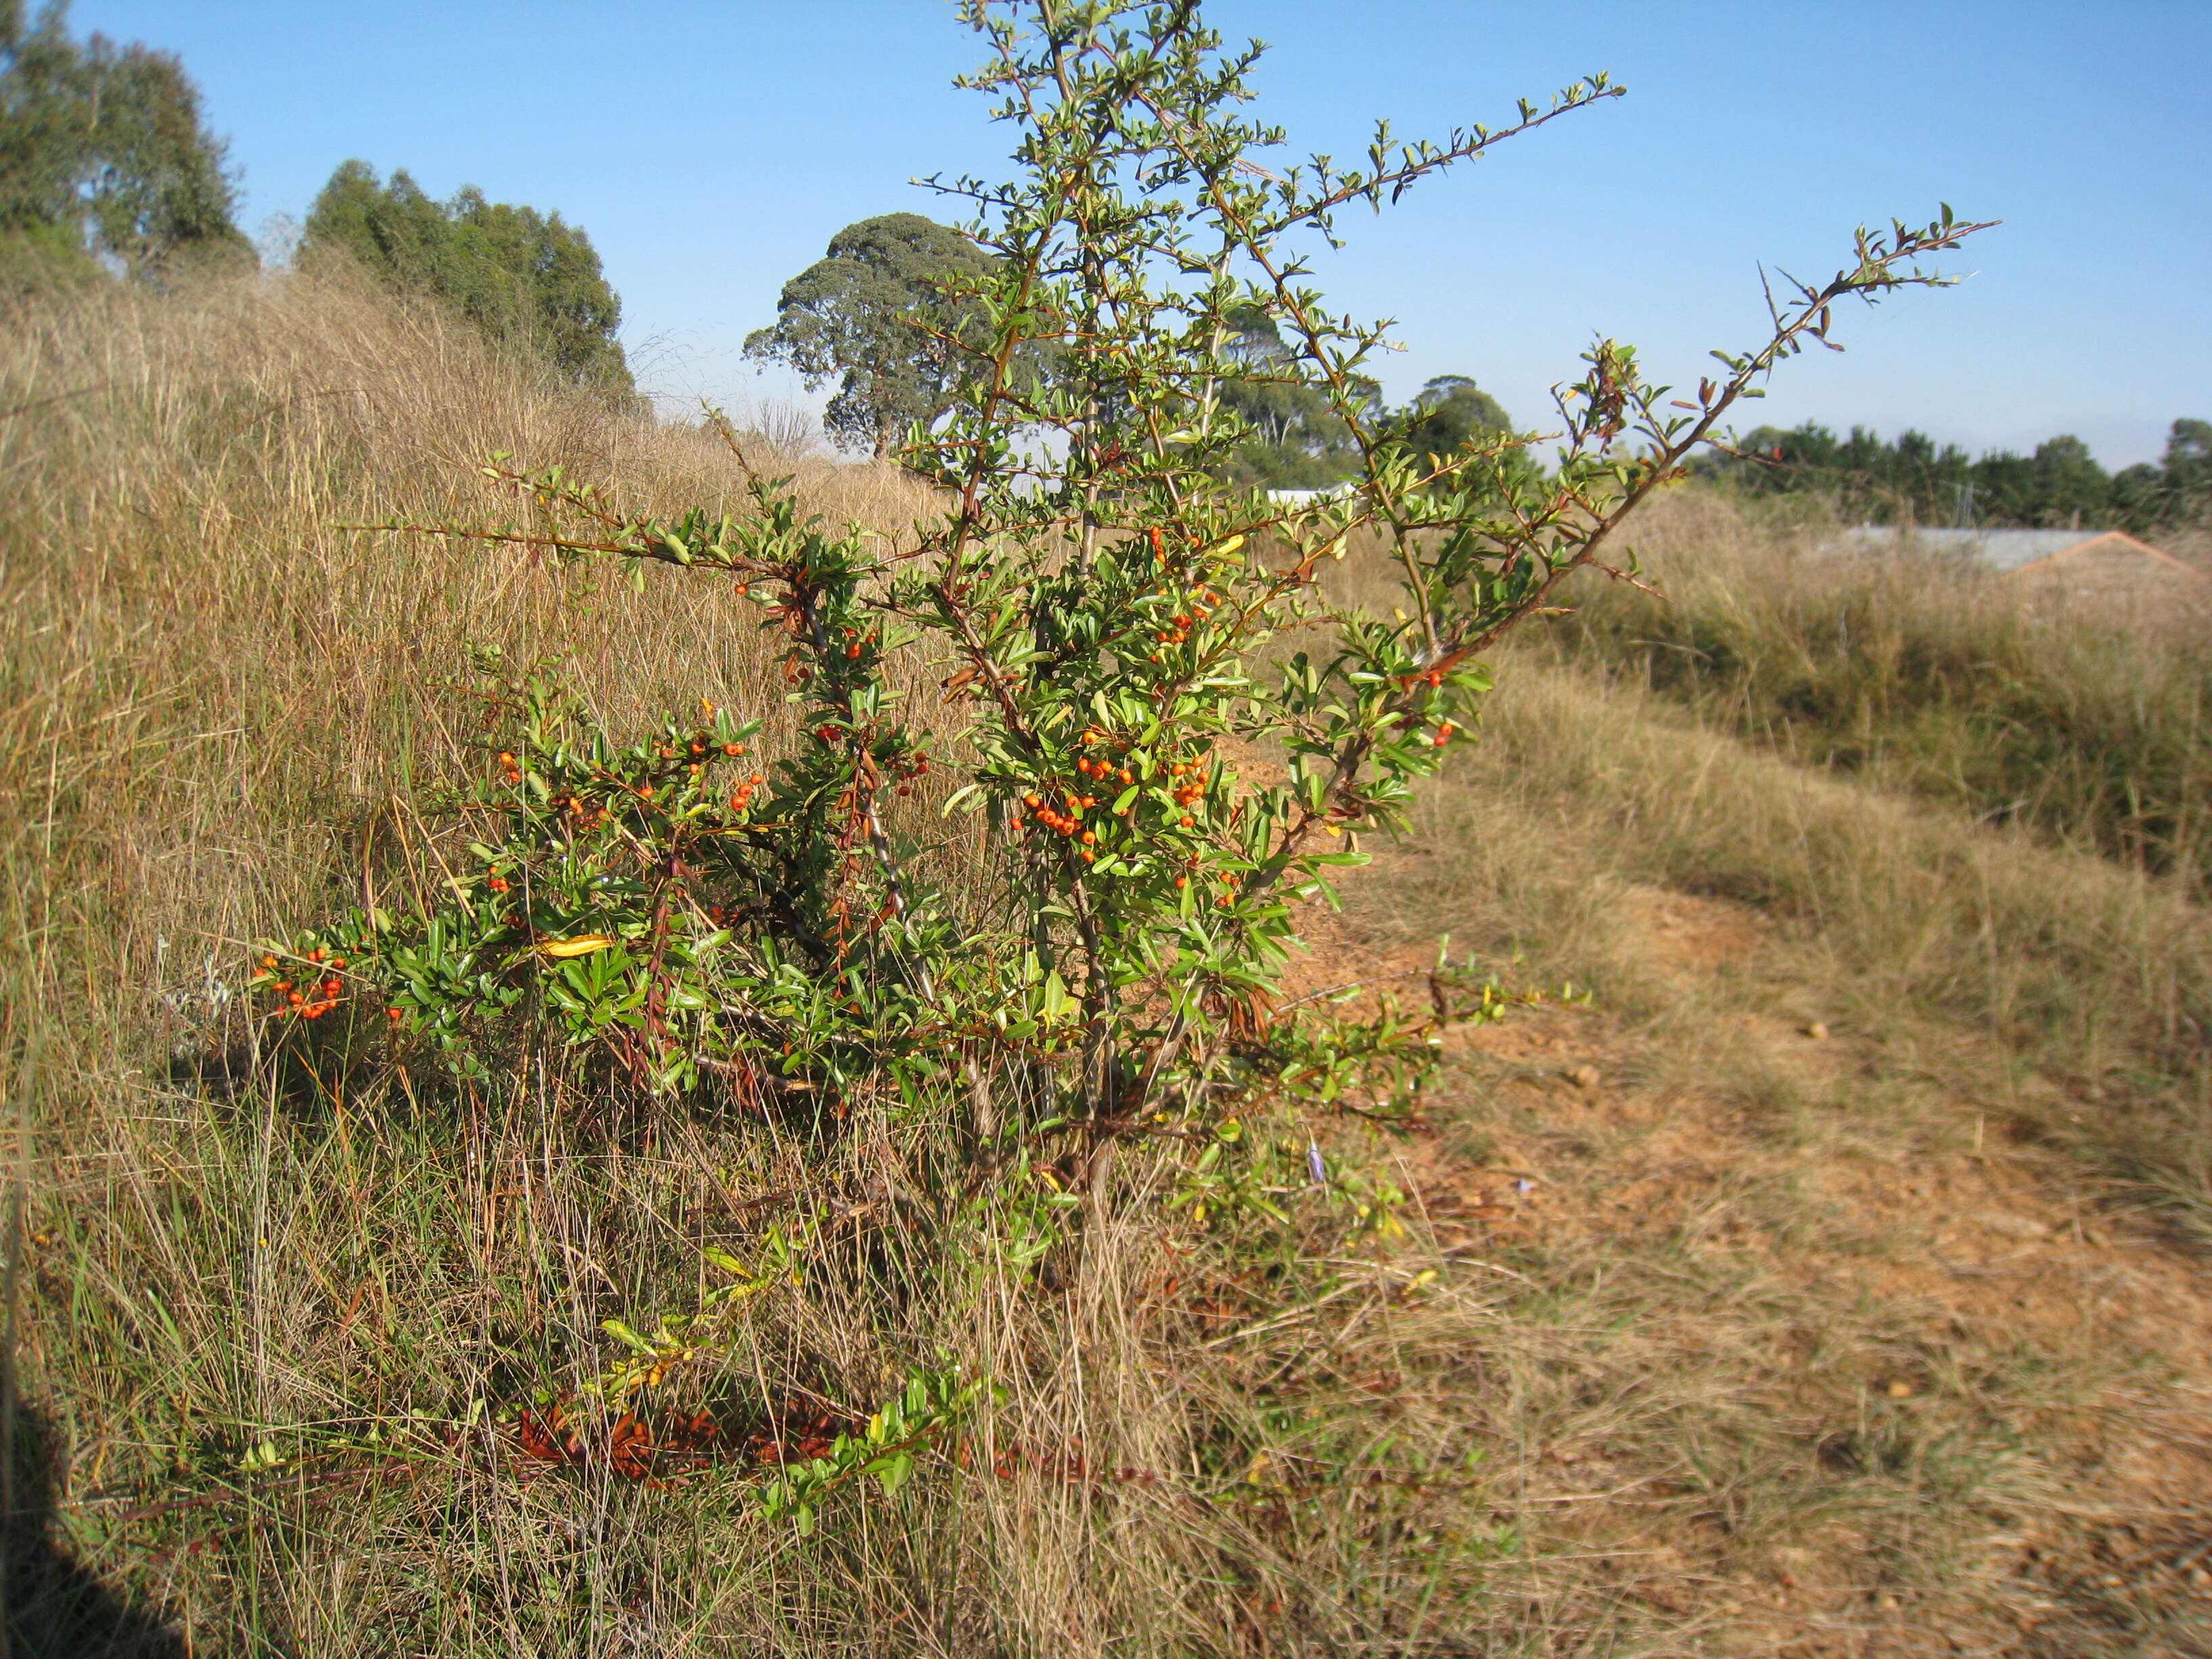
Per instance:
{"type": "Point", "coordinates": [2085, 714]}
{"type": "Point", "coordinates": [1644, 1405]}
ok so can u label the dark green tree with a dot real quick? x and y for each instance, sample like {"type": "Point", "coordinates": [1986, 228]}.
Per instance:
{"type": "Point", "coordinates": [2070, 487]}
{"type": "Point", "coordinates": [1297, 440]}
{"type": "Point", "coordinates": [1915, 480]}
{"type": "Point", "coordinates": [873, 314]}
{"type": "Point", "coordinates": [104, 157]}
{"type": "Point", "coordinates": [2186, 491]}
{"type": "Point", "coordinates": [531, 280]}
{"type": "Point", "coordinates": [1446, 415]}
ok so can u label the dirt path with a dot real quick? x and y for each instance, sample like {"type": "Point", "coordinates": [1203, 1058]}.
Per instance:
{"type": "Point", "coordinates": [1959, 1402]}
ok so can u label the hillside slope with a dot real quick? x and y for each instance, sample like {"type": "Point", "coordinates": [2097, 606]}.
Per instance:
{"type": "Point", "coordinates": [1829, 1284]}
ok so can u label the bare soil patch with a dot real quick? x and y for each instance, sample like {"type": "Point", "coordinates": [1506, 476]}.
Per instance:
{"type": "Point", "coordinates": [1848, 1369]}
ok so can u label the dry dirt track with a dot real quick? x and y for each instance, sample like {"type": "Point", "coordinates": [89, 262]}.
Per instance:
{"type": "Point", "coordinates": [1962, 1401]}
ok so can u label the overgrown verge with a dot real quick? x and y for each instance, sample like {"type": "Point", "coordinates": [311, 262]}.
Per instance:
{"type": "Point", "coordinates": [2086, 988]}
{"type": "Point", "coordinates": [2089, 719]}
{"type": "Point", "coordinates": [694, 1194]}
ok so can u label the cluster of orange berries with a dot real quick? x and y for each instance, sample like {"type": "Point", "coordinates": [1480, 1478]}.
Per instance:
{"type": "Point", "coordinates": [1229, 881]}
{"type": "Point", "coordinates": [587, 816]}
{"type": "Point", "coordinates": [1203, 605]}
{"type": "Point", "coordinates": [1444, 734]}
{"type": "Point", "coordinates": [855, 645]}
{"type": "Point", "coordinates": [306, 997]}
{"type": "Point", "coordinates": [1192, 790]}
{"type": "Point", "coordinates": [1068, 823]}
{"type": "Point", "coordinates": [511, 767]}
{"type": "Point", "coordinates": [742, 797]}
{"type": "Point", "coordinates": [1104, 772]}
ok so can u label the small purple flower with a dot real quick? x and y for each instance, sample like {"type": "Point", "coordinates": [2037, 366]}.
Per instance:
{"type": "Point", "coordinates": [1319, 1170]}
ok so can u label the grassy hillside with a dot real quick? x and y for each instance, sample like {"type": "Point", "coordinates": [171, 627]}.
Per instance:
{"type": "Point", "coordinates": [2090, 719]}
{"type": "Point", "coordinates": [1824, 1287]}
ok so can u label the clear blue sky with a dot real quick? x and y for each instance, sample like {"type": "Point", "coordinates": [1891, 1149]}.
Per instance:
{"type": "Point", "coordinates": [712, 150]}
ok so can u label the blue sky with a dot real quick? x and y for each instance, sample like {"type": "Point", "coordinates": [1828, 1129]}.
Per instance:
{"type": "Point", "coordinates": [712, 150]}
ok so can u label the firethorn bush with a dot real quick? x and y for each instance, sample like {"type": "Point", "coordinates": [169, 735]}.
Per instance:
{"type": "Point", "coordinates": [1064, 756]}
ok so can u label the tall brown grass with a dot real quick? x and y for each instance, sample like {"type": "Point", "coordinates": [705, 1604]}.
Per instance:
{"type": "Point", "coordinates": [2088, 716]}
{"type": "Point", "coordinates": [217, 700]}
{"type": "Point", "coordinates": [2058, 989]}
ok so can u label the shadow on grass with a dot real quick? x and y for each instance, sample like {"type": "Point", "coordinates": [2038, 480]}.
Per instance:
{"type": "Point", "coordinates": [52, 1606]}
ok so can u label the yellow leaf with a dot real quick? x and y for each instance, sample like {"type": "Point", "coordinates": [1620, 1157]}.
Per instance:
{"type": "Point", "coordinates": [560, 950]}
{"type": "Point", "coordinates": [1230, 546]}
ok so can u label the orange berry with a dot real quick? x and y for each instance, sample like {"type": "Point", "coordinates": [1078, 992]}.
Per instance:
{"type": "Point", "coordinates": [338, 961]}
{"type": "Point", "coordinates": [282, 985]}
{"type": "Point", "coordinates": [1188, 820]}
{"type": "Point", "coordinates": [315, 955]}
{"type": "Point", "coordinates": [295, 998]}
{"type": "Point", "coordinates": [395, 1013]}
{"type": "Point", "coordinates": [1089, 836]}
{"type": "Point", "coordinates": [1183, 881]}
{"type": "Point", "coordinates": [269, 962]}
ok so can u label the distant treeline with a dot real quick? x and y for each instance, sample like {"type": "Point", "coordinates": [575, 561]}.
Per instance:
{"type": "Point", "coordinates": [1914, 480]}
{"type": "Point", "coordinates": [107, 173]}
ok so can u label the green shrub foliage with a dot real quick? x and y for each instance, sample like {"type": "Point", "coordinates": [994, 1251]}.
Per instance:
{"type": "Point", "coordinates": [1049, 908]}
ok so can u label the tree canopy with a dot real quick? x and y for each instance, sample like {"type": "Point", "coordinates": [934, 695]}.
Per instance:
{"type": "Point", "coordinates": [1449, 413]}
{"type": "Point", "coordinates": [874, 314]}
{"type": "Point", "coordinates": [1913, 479]}
{"type": "Point", "coordinates": [1296, 442]}
{"type": "Point", "coordinates": [103, 155]}
{"type": "Point", "coordinates": [530, 281]}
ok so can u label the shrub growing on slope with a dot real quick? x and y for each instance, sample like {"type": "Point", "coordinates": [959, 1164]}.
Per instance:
{"type": "Point", "coordinates": [668, 913]}
{"type": "Point", "coordinates": [732, 1093]}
